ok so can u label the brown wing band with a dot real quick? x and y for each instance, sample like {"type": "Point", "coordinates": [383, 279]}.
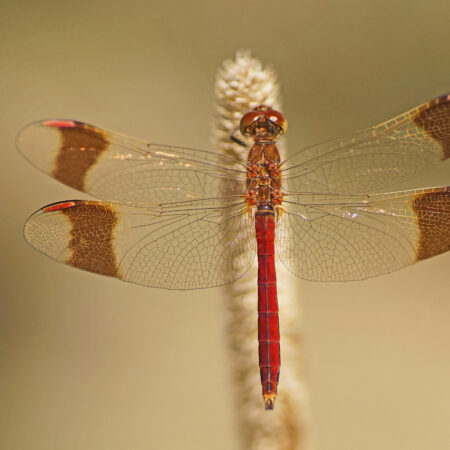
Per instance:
{"type": "Point", "coordinates": [434, 119]}
{"type": "Point", "coordinates": [433, 218]}
{"type": "Point", "coordinates": [92, 237]}
{"type": "Point", "coordinates": [80, 149]}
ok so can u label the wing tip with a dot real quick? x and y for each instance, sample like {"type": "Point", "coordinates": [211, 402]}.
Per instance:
{"type": "Point", "coordinates": [26, 138]}
{"type": "Point", "coordinates": [44, 123]}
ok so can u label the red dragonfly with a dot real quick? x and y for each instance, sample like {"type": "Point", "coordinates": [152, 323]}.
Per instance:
{"type": "Point", "coordinates": [181, 218]}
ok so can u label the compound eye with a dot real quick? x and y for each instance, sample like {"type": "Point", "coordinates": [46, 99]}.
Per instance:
{"type": "Point", "coordinates": [277, 118]}
{"type": "Point", "coordinates": [247, 120]}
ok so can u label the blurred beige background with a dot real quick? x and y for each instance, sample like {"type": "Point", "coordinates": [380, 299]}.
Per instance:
{"type": "Point", "coordinates": [90, 363]}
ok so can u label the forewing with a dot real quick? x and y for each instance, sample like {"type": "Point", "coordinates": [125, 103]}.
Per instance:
{"type": "Point", "coordinates": [187, 246]}
{"type": "Point", "coordinates": [342, 238]}
{"type": "Point", "coordinates": [375, 158]}
{"type": "Point", "coordinates": [114, 167]}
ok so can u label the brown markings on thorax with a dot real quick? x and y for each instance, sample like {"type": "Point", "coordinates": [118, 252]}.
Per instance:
{"type": "Point", "coordinates": [434, 119]}
{"type": "Point", "coordinates": [92, 237]}
{"type": "Point", "coordinates": [263, 151]}
{"type": "Point", "coordinates": [433, 218]}
{"type": "Point", "coordinates": [80, 149]}
{"type": "Point", "coordinates": [263, 173]}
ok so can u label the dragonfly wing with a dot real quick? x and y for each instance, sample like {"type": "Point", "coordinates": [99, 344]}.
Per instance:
{"type": "Point", "coordinates": [375, 158]}
{"type": "Point", "coordinates": [342, 238]}
{"type": "Point", "coordinates": [114, 167]}
{"type": "Point", "coordinates": [195, 245]}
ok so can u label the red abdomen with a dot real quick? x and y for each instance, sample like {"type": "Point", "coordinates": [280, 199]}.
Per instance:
{"type": "Point", "coordinates": [268, 329]}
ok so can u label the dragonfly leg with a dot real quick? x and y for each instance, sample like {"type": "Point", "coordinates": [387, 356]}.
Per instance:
{"type": "Point", "coordinates": [234, 138]}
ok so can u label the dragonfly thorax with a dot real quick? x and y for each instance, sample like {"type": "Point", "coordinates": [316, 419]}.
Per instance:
{"type": "Point", "coordinates": [263, 175]}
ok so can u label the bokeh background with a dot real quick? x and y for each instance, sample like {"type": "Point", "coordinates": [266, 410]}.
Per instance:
{"type": "Point", "coordinates": [90, 363]}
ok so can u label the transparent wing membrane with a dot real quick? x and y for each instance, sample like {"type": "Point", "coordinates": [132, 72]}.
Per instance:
{"type": "Point", "coordinates": [188, 248]}
{"type": "Point", "coordinates": [114, 167]}
{"type": "Point", "coordinates": [377, 158]}
{"type": "Point", "coordinates": [343, 237]}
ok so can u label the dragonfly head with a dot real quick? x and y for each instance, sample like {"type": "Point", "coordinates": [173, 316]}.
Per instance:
{"type": "Point", "coordinates": [263, 122]}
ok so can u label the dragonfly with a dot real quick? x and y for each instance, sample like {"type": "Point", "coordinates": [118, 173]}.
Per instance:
{"type": "Point", "coordinates": [183, 218]}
